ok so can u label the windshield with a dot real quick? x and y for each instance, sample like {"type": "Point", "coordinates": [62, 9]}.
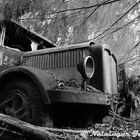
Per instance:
{"type": "Point", "coordinates": [15, 36]}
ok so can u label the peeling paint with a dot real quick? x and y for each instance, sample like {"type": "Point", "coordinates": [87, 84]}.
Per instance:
{"type": "Point", "coordinates": [9, 57]}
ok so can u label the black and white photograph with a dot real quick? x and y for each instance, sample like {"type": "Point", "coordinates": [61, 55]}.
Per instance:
{"type": "Point", "coordinates": [69, 69]}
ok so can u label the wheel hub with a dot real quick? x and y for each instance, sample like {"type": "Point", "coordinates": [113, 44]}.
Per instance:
{"type": "Point", "coordinates": [16, 105]}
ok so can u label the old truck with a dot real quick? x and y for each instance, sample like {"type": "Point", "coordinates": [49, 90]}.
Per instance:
{"type": "Point", "coordinates": [52, 85]}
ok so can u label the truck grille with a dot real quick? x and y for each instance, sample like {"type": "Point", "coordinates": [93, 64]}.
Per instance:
{"type": "Point", "coordinates": [53, 60]}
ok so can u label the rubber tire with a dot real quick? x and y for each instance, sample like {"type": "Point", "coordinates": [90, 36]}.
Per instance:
{"type": "Point", "coordinates": [31, 92]}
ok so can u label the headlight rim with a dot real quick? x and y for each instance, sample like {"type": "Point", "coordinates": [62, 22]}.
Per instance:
{"type": "Point", "coordinates": [88, 60]}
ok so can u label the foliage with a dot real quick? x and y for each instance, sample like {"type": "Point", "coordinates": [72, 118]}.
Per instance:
{"type": "Point", "coordinates": [114, 22]}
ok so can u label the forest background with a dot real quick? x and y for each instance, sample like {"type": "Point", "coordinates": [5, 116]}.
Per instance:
{"type": "Point", "coordinates": [113, 22]}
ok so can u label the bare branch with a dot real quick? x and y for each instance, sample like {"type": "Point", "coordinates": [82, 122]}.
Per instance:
{"type": "Point", "coordinates": [93, 12]}
{"type": "Point", "coordinates": [133, 58]}
{"type": "Point", "coordinates": [90, 15]}
{"type": "Point", "coordinates": [137, 45]}
{"type": "Point", "coordinates": [123, 118]}
{"type": "Point", "coordinates": [88, 7]}
{"type": "Point", "coordinates": [121, 27]}
{"type": "Point", "coordinates": [118, 19]}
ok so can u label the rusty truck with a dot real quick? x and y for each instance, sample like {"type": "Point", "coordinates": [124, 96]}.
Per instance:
{"type": "Point", "coordinates": [54, 85]}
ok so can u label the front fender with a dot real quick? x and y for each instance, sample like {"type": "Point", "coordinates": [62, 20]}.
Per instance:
{"type": "Point", "coordinates": [40, 78]}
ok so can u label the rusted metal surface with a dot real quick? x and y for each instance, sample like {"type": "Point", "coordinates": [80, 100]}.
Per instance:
{"type": "Point", "coordinates": [105, 76]}
{"type": "Point", "coordinates": [55, 60]}
{"type": "Point", "coordinates": [52, 69]}
{"type": "Point", "coordinates": [40, 78]}
{"type": "Point", "coordinates": [62, 61]}
{"type": "Point", "coordinates": [9, 57]}
{"type": "Point", "coordinates": [73, 96]}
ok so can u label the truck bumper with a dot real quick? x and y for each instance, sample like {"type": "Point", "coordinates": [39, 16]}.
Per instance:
{"type": "Point", "coordinates": [72, 96]}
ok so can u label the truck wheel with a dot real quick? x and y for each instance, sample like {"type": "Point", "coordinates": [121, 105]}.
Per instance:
{"type": "Point", "coordinates": [21, 99]}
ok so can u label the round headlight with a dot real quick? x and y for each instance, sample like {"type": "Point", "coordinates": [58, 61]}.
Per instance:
{"type": "Point", "coordinates": [86, 67]}
{"type": "Point", "coordinates": [89, 66]}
